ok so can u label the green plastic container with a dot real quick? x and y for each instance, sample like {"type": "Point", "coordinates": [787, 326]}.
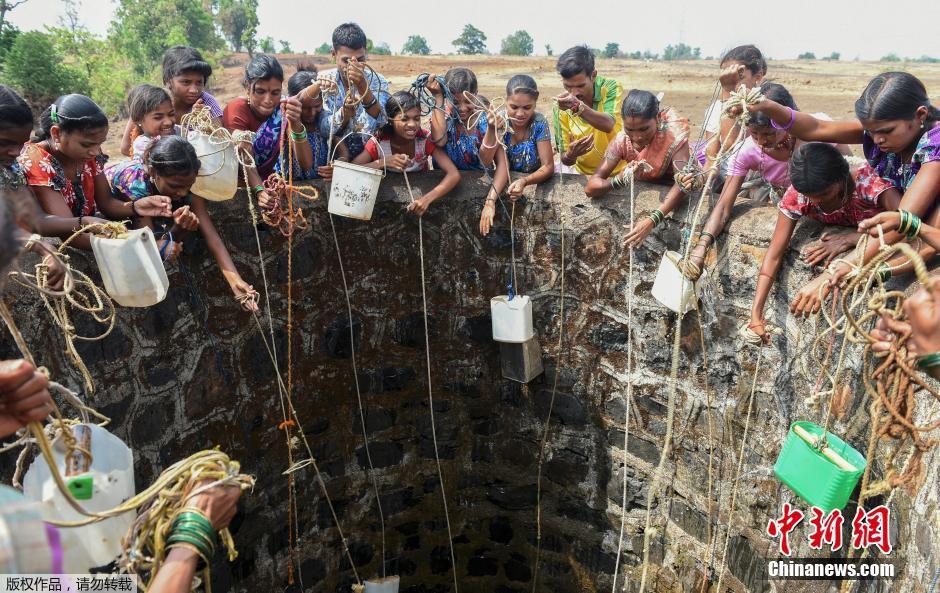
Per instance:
{"type": "Point", "coordinates": [812, 476]}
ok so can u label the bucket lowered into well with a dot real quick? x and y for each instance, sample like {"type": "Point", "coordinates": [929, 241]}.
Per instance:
{"type": "Point", "coordinates": [218, 167]}
{"type": "Point", "coordinates": [512, 318]}
{"type": "Point", "coordinates": [382, 585]}
{"type": "Point", "coordinates": [672, 288]}
{"type": "Point", "coordinates": [354, 188]}
{"type": "Point", "coordinates": [131, 268]}
{"type": "Point", "coordinates": [823, 476]}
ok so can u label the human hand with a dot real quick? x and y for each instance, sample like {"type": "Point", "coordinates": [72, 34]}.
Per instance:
{"type": "Point", "coordinates": [923, 314]}
{"type": "Point", "coordinates": [731, 76]}
{"type": "Point", "coordinates": [56, 271]}
{"type": "Point", "coordinates": [170, 249]}
{"type": "Point", "coordinates": [638, 233]}
{"type": "Point", "coordinates": [809, 299]}
{"type": "Point", "coordinates": [154, 206]}
{"type": "Point", "coordinates": [515, 189]}
{"type": "Point", "coordinates": [888, 221]}
{"type": "Point", "coordinates": [219, 503]}
{"type": "Point", "coordinates": [567, 101]}
{"type": "Point", "coordinates": [186, 219]}
{"type": "Point", "coordinates": [397, 162]}
{"type": "Point", "coordinates": [580, 147]}
{"type": "Point", "coordinates": [487, 216]}
{"type": "Point", "coordinates": [325, 172]}
{"type": "Point", "coordinates": [419, 206]}
{"type": "Point", "coordinates": [828, 247]}
{"type": "Point", "coordinates": [759, 328]}
{"type": "Point", "coordinates": [267, 200]}
{"type": "Point", "coordinates": [355, 73]}
{"type": "Point", "coordinates": [292, 110]}
{"type": "Point", "coordinates": [245, 294]}
{"type": "Point", "coordinates": [24, 396]}
{"type": "Point", "coordinates": [434, 86]}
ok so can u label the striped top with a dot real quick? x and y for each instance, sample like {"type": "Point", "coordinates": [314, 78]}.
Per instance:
{"type": "Point", "coordinates": [608, 95]}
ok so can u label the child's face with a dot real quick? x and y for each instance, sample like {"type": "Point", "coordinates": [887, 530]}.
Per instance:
{"type": "Point", "coordinates": [310, 109]}
{"type": "Point", "coordinates": [640, 131]}
{"type": "Point", "coordinates": [829, 199]}
{"type": "Point", "coordinates": [264, 96]}
{"type": "Point", "coordinates": [747, 78]}
{"type": "Point", "coordinates": [80, 145]}
{"type": "Point", "coordinates": [407, 124]}
{"type": "Point", "coordinates": [896, 134]}
{"type": "Point", "coordinates": [520, 108]}
{"type": "Point", "coordinates": [766, 137]}
{"type": "Point", "coordinates": [187, 88]}
{"type": "Point", "coordinates": [175, 187]}
{"type": "Point", "coordinates": [159, 122]}
{"type": "Point", "coordinates": [11, 144]}
{"type": "Point", "coordinates": [465, 107]}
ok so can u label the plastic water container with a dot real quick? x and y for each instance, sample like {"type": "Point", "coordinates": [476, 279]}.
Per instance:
{"type": "Point", "coordinates": [353, 190]}
{"type": "Point", "coordinates": [131, 268]}
{"type": "Point", "coordinates": [671, 288]}
{"type": "Point", "coordinates": [218, 168]}
{"type": "Point", "coordinates": [812, 475]}
{"type": "Point", "coordinates": [512, 319]}
{"type": "Point", "coordinates": [383, 585]}
{"type": "Point", "coordinates": [106, 483]}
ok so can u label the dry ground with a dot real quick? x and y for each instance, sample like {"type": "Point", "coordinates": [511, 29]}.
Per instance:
{"type": "Point", "coordinates": [830, 87]}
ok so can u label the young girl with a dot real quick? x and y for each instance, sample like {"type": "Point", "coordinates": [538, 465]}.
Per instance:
{"type": "Point", "coordinates": [309, 91]}
{"type": "Point", "coordinates": [185, 76]}
{"type": "Point", "coordinates": [16, 124]}
{"type": "Point", "coordinates": [528, 143]}
{"type": "Point", "coordinates": [169, 168]}
{"type": "Point", "coordinates": [660, 137]}
{"type": "Point", "coordinates": [260, 111]}
{"type": "Point", "coordinates": [900, 133]}
{"type": "Point", "coordinates": [151, 111]}
{"type": "Point", "coordinates": [824, 189]}
{"type": "Point", "coordinates": [402, 145]}
{"type": "Point", "coordinates": [764, 154]}
{"type": "Point", "coordinates": [64, 168]}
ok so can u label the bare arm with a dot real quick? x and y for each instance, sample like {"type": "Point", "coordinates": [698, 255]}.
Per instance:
{"type": "Point", "coordinates": [547, 158]}
{"type": "Point", "coordinates": [126, 141]}
{"type": "Point", "coordinates": [599, 120]}
{"type": "Point", "coordinates": [722, 212]}
{"type": "Point", "coordinates": [177, 572]}
{"type": "Point", "coordinates": [806, 127]}
{"type": "Point", "coordinates": [597, 184]}
{"type": "Point", "coordinates": [770, 267]}
{"type": "Point", "coordinates": [217, 248]}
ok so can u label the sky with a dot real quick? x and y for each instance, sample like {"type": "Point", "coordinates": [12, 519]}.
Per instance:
{"type": "Point", "coordinates": [791, 27]}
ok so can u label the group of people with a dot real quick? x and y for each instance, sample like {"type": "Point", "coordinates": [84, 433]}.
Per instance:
{"type": "Point", "coordinates": [56, 180]}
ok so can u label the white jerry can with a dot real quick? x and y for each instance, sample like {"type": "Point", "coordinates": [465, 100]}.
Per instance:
{"type": "Point", "coordinates": [672, 288]}
{"type": "Point", "coordinates": [382, 585]}
{"type": "Point", "coordinates": [512, 319]}
{"type": "Point", "coordinates": [131, 268]}
{"type": "Point", "coordinates": [99, 486]}
{"type": "Point", "coordinates": [218, 168]}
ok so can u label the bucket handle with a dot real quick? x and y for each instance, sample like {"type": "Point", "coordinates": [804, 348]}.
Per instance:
{"type": "Point", "coordinates": [224, 146]}
{"type": "Point", "coordinates": [377, 143]}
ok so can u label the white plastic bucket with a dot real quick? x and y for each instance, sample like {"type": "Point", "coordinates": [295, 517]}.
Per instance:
{"type": "Point", "coordinates": [218, 168]}
{"type": "Point", "coordinates": [353, 190]}
{"type": "Point", "coordinates": [131, 268]}
{"type": "Point", "coordinates": [512, 319]}
{"type": "Point", "coordinates": [383, 585]}
{"type": "Point", "coordinates": [672, 289]}
{"type": "Point", "coordinates": [112, 477]}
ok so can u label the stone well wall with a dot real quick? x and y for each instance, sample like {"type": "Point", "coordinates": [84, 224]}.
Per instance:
{"type": "Point", "coordinates": [192, 372]}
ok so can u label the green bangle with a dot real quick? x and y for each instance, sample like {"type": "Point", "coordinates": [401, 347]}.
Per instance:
{"type": "Point", "coordinates": [196, 526]}
{"type": "Point", "coordinates": [205, 540]}
{"type": "Point", "coordinates": [257, 189]}
{"type": "Point", "coordinates": [657, 216]}
{"type": "Point", "coordinates": [884, 272]}
{"type": "Point", "coordinates": [617, 182]}
{"type": "Point", "coordinates": [704, 234]}
{"type": "Point", "coordinates": [928, 361]}
{"type": "Point", "coordinates": [204, 550]}
{"type": "Point", "coordinates": [914, 229]}
{"type": "Point", "coordinates": [299, 135]}
{"type": "Point", "coordinates": [194, 516]}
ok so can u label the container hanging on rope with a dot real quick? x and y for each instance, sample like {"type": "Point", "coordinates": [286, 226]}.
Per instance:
{"type": "Point", "coordinates": [131, 268]}
{"type": "Point", "coordinates": [512, 318]}
{"type": "Point", "coordinates": [672, 288]}
{"type": "Point", "coordinates": [521, 362]}
{"type": "Point", "coordinates": [99, 484]}
{"type": "Point", "coordinates": [217, 180]}
{"type": "Point", "coordinates": [822, 474]}
{"type": "Point", "coordinates": [354, 188]}
{"type": "Point", "coordinates": [382, 585]}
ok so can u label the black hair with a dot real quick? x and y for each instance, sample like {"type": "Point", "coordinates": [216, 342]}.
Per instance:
{"type": "Point", "coordinates": [641, 104]}
{"type": "Point", "coordinates": [145, 98]}
{"type": "Point", "coordinates": [459, 80]}
{"type": "Point", "coordinates": [777, 93]}
{"type": "Point", "coordinates": [575, 60]}
{"type": "Point", "coordinates": [522, 83]}
{"type": "Point", "coordinates": [349, 35]}
{"type": "Point", "coordinates": [894, 95]}
{"type": "Point", "coordinates": [262, 67]}
{"type": "Point", "coordinates": [72, 113]}
{"type": "Point", "coordinates": [749, 55]}
{"type": "Point", "coordinates": [399, 103]}
{"type": "Point", "coordinates": [816, 166]}
{"type": "Point", "coordinates": [182, 58]}
{"type": "Point", "coordinates": [305, 76]}
{"type": "Point", "coordinates": [14, 112]}
{"type": "Point", "coordinates": [170, 156]}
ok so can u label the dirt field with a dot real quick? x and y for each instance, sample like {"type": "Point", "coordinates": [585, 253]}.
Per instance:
{"type": "Point", "coordinates": [829, 87]}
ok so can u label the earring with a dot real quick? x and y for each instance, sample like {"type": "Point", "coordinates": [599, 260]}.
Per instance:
{"type": "Point", "coordinates": [921, 125]}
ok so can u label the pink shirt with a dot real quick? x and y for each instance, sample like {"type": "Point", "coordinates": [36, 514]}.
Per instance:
{"type": "Point", "coordinates": [750, 157]}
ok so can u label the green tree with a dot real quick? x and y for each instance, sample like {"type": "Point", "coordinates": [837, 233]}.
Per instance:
{"type": "Point", "coordinates": [37, 70]}
{"type": "Point", "coordinates": [517, 44]}
{"type": "Point", "coordinates": [612, 50]}
{"type": "Point", "coordinates": [285, 47]}
{"type": "Point", "coordinates": [806, 55]}
{"type": "Point", "coordinates": [5, 7]}
{"type": "Point", "coordinates": [238, 20]}
{"type": "Point", "coordinates": [266, 44]}
{"type": "Point", "coordinates": [681, 51]}
{"type": "Point", "coordinates": [892, 57]}
{"type": "Point", "coordinates": [144, 29]}
{"type": "Point", "coordinates": [471, 41]}
{"type": "Point", "coordinates": [324, 49]}
{"type": "Point", "coordinates": [833, 57]}
{"type": "Point", "coordinates": [8, 35]}
{"type": "Point", "coordinates": [417, 45]}
{"type": "Point", "coordinates": [382, 49]}
{"type": "Point", "coordinates": [548, 50]}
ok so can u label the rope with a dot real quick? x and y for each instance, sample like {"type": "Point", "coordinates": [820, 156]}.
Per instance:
{"type": "Point", "coordinates": [362, 417]}
{"type": "Point", "coordinates": [427, 350]}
